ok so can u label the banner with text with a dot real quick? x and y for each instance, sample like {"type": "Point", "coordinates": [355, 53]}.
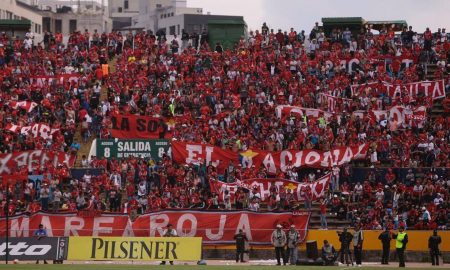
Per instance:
{"type": "Point", "coordinates": [215, 227]}
{"type": "Point", "coordinates": [119, 148]}
{"type": "Point", "coordinates": [139, 127]}
{"type": "Point", "coordinates": [187, 153]}
{"type": "Point", "coordinates": [9, 163]}
{"type": "Point", "coordinates": [433, 89]}
{"type": "Point", "coordinates": [32, 248]}
{"type": "Point", "coordinates": [58, 79]}
{"type": "Point", "coordinates": [37, 130]}
{"type": "Point", "coordinates": [316, 189]}
{"type": "Point", "coordinates": [135, 248]}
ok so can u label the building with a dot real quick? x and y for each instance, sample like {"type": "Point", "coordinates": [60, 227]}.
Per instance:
{"type": "Point", "coordinates": [121, 12]}
{"type": "Point", "coordinates": [20, 11]}
{"type": "Point", "coordinates": [57, 16]}
{"type": "Point", "coordinates": [172, 16]}
{"type": "Point", "coordinates": [65, 17]}
{"type": "Point", "coordinates": [157, 15]}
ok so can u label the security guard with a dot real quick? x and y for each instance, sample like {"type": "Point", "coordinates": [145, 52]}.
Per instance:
{"type": "Point", "coordinates": [358, 238]}
{"type": "Point", "coordinates": [385, 238]}
{"type": "Point", "coordinates": [400, 245]}
{"type": "Point", "coordinates": [433, 245]}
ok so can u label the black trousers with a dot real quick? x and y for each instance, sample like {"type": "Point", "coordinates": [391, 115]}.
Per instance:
{"type": "Point", "coordinates": [401, 257]}
{"type": "Point", "coordinates": [434, 253]}
{"type": "Point", "coordinates": [385, 255]}
{"type": "Point", "coordinates": [239, 255]}
{"type": "Point", "coordinates": [279, 253]}
{"type": "Point", "coordinates": [345, 254]}
{"type": "Point", "coordinates": [358, 254]}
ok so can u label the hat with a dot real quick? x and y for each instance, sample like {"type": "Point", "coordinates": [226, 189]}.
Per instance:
{"type": "Point", "coordinates": [279, 226]}
{"type": "Point", "coordinates": [292, 226]}
{"type": "Point", "coordinates": [424, 208]}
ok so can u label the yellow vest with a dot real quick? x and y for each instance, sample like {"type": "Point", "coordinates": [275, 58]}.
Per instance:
{"type": "Point", "coordinates": [399, 241]}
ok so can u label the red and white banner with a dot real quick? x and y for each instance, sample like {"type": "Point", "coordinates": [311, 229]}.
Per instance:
{"type": "Point", "coordinates": [217, 227]}
{"type": "Point", "coordinates": [26, 105]}
{"type": "Point", "coordinates": [399, 114]}
{"type": "Point", "coordinates": [12, 161]}
{"type": "Point", "coordinates": [318, 188]}
{"type": "Point", "coordinates": [58, 79]}
{"type": "Point", "coordinates": [138, 127]}
{"type": "Point", "coordinates": [434, 89]}
{"type": "Point", "coordinates": [37, 130]}
{"type": "Point", "coordinates": [187, 153]}
{"type": "Point", "coordinates": [285, 110]}
{"type": "Point", "coordinates": [332, 101]}
{"type": "Point", "coordinates": [193, 153]}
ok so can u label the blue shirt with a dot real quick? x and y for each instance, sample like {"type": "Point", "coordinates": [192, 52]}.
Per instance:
{"type": "Point", "coordinates": [40, 232]}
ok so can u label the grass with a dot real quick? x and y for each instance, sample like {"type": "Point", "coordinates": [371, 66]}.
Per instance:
{"type": "Point", "coordinates": [177, 267]}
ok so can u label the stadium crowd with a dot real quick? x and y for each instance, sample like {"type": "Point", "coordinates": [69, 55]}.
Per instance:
{"type": "Point", "coordinates": [227, 98]}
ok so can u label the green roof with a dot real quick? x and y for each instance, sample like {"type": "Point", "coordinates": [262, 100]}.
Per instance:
{"type": "Point", "coordinates": [388, 22]}
{"type": "Point", "coordinates": [343, 20]}
{"type": "Point", "coordinates": [238, 22]}
{"type": "Point", "coordinates": [15, 23]}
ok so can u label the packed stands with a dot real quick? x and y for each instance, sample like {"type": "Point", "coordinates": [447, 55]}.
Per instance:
{"type": "Point", "coordinates": [275, 91]}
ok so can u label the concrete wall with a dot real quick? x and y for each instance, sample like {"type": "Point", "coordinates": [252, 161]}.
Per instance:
{"type": "Point", "coordinates": [368, 256]}
{"type": "Point", "coordinates": [417, 248]}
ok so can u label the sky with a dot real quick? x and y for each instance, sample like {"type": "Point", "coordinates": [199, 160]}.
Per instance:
{"type": "Point", "coordinates": [302, 14]}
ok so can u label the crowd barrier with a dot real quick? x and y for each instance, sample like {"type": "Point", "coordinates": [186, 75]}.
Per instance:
{"type": "Point", "coordinates": [135, 248]}
{"type": "Point", "coordinates": [101, 248]}
{"type": "Point", "coordinates": [33, 248]}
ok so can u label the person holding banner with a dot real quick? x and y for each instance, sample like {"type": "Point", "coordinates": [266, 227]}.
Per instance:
{"type": "Point", "coordinates": [279, 241]}
{"type": "Point", "coordinates": [170, 232]}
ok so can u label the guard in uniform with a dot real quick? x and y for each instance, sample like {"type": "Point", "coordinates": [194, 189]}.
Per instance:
{"type": "Point", "coordinates": [240, 238]}
{"type": "Point", "coordinates": [401, 239]}
{"type": "Point", "coordinates": [358, 238]}
{"type": "Point", "coordinates": [385, 238]}
{"type": "Point", "coordinates": [433, 245]}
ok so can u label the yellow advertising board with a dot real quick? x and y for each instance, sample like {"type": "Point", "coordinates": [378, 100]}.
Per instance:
{"type": "Point", "coordinates": [135, 248]}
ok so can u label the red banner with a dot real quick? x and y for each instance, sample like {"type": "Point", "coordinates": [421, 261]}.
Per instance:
{"type": "Point", "coordinates": [263, 185]}
{"type": "Point", "coordinates": [187, 153]}
{"type": "Point", "coordinates": [434, 89]}
{"type": "Point", "coordinates": [138, 127]}
{"type": "Point", "coordinates": [216, 227]}
{"type": "Point", "coordinates": [9, 163]}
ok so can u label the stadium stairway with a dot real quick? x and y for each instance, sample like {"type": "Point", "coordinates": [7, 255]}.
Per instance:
{"type": "Point", "coordinates": [86, 147]}
{"type": "Point", "coordinates": [333, 221]}
{"type": "Point", "coordinates": [437, 109]}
